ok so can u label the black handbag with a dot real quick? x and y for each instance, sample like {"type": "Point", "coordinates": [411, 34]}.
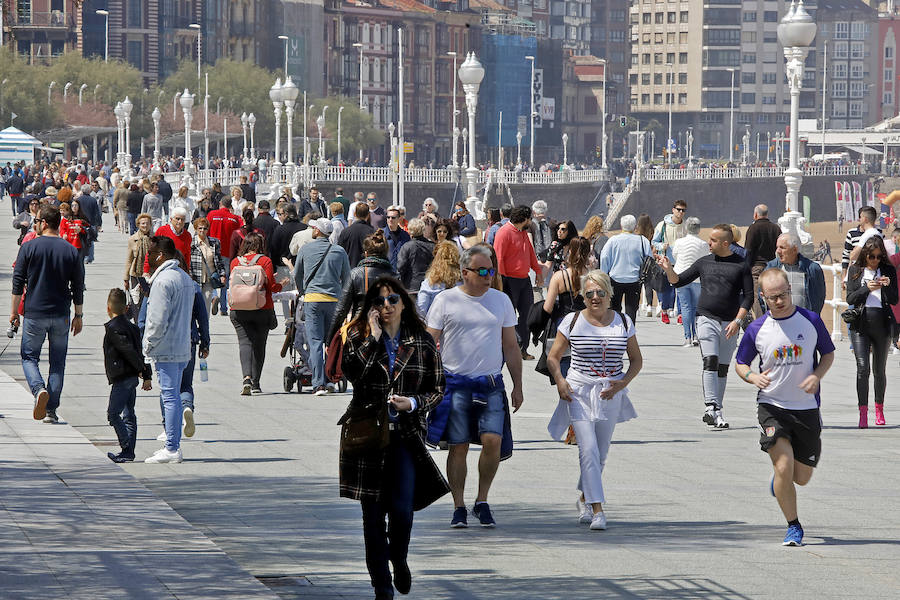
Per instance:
{"type": "Point", "coordinates": [364, 431]}
{"type": "Point", "coordinates": [851, 316]}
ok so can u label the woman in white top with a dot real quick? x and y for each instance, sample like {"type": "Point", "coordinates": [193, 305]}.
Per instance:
{"type": "Point", "coordinates": [686, 251]}
{"type": "Point", "coordinates": [593, 395]}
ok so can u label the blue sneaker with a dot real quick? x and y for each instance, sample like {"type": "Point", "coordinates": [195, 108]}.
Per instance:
{"type": "Point", "coordinates": [794, 536]}
{"type": "Point", "coordinates": [483, 512]}
{"type": "Point", "coordinates": [772, 486]}
{"type": "Point", "coordinates": [459, 520]}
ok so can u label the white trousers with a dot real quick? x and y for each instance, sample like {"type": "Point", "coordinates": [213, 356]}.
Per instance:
{"type": "Point", "coordinates": [593, 446]}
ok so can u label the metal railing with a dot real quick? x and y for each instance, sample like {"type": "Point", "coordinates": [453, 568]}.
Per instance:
{"type": "Point", "coordinates": [661, 174]}
{"type": "Point", "coordinates": [55, 18]}
{"type": "Point", "coordinates": [836, 303]}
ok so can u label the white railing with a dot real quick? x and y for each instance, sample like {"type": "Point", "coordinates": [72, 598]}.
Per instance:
{"type": "Point", "coordinates": [662, 174]}
{"type": "Point", "coordinates": [836, 303]}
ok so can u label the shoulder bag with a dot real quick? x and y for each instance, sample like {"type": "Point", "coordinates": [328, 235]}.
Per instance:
{"type": "Point", "coordinates": [364, 431]}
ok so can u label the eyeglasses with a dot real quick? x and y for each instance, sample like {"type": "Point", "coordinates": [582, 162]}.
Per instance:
{"type": "Point", "coordinates": [381, 301]}
{"type": "Point", "coordinates": [483, 272]}
{"type": "Point", "coordinates": [591, 293]}
{"type": "Point", "coordinates": [778, 297]}
{"type": "Point", "coordinates": [679, 209]}
{"type": "Point", "coordinates": [878, 256]}
{"type": "Point", "coordinates": [393, 216]}
{"type": "Point", "coordinates": [562, 228]}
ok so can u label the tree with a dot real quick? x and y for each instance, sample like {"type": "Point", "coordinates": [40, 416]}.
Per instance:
{"type": "Point", "coordinates": [24, 93]}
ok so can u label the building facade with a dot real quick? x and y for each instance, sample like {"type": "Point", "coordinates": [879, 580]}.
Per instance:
{"type": "Point", "coordinates": [42, 29]}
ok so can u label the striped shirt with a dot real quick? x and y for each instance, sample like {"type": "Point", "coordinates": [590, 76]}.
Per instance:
{"type": "Point", "coordinates": [597, 351]}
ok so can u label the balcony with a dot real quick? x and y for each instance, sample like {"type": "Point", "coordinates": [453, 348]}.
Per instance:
{"type": "Point", "coordinates": [43, 20]}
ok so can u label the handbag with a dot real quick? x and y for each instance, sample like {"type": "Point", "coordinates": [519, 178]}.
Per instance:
{"type": "Point", "coordinates": [363, 432]}
{"type": "Point", "coordinates": [851, 316]}
{"type": "Point", "coordinates": [334, 357]}
{"type": "Point", "coordinates": [541, 366]}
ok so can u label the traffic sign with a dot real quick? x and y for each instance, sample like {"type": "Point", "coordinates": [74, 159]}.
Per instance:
{"type": "Point", "coordinates": [408, 148]}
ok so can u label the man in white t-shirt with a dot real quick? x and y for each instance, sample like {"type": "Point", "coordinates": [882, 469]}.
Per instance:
{"type": "Point", "coordinates": [474, 325]}
{"type": "Point", "coordinates": [795, 351]}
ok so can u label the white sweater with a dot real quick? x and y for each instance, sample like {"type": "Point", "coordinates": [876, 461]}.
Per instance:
{"type": "Point", "coordinates": [687, 250]}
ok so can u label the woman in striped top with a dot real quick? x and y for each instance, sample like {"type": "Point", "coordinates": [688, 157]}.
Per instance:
{"type": "Point", "coordinates": [593, 395]}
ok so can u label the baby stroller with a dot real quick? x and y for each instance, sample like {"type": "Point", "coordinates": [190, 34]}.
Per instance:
{"type": "Point", "coordinates": [295, 345]}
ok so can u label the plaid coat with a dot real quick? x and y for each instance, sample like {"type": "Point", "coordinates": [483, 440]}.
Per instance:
{"type": "Point", "coordinates": [197, 261]}
{"type": "Point", "coordinates": [417, 372]}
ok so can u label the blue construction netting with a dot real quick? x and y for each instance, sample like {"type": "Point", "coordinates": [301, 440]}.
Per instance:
{"type": "Point", "coordinates": [506, 87]}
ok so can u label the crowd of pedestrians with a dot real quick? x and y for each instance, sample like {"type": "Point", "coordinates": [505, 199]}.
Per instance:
{"type": "Point", "coordinates": [425, 312]}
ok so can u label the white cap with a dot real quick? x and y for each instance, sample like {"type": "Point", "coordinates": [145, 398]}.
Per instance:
{"type": "Point", "coordinates": [323, 225]}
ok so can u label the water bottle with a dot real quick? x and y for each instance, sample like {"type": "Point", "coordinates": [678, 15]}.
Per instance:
{"type": "Point", "coordinates": [204, 370]}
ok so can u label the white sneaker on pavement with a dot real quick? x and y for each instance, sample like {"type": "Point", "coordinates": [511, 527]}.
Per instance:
{"type": "Point", "coordinates": [598, 522]}
{"type": "Point", "coordinates": [189, 427]}
{"type": "Point", "coordinates": [721, 423]}
{"type": "Point", "coordinates": [585, 512]}
{"type": "Point", "coordinates": [163, 455]}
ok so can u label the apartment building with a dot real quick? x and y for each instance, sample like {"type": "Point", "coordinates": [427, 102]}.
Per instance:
{"type": "Point", "coordinates": [611, 41]}
{"type": "Point", "coordinates": [888, 45]}
{"type": "Point", "coordinates": [40, 30]}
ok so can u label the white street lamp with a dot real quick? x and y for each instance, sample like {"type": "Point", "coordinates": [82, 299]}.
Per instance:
{"type": "Point", "coordinates": [96, 89]}
{"type": "Point", "coordinates": [603, 126]}
{"type": "Point", "coordinates": [277, 102]}
{"type": "Point", "coordinates": [175, 106]}
{"type": "Point", "coordinates": [81, 92]}
{"type": "Point", "coordinates": [465, 138]}
{"type": "Point", "coordinates": [320, 124]}
{"type": "Point", "coordinates": [50, 91]}
{"type": "Point", "coordinates": [66, 91]}
{"type": "Point", "coordinates": [360, 48]}
{"type": "Point", "coordinates": [289, 93]}
{"type": "Point", "coordinates": [454, 130]}
{"type": "Point", "coordinates": [532, 114]}
{"type": "Point", "coordinates": [206, 161]}
{"type": "Point", "coordinates": [187, 105]}
{"type": "Point", "coordinates": [245, 159]}
{"type": "Point", "coordinates": [690, 145]}
{"type": "Point", "coordinates": [105, 14]}
{"type": "Point", "coordinates": [471, 72]}
{"type": "Point", "coordinates": [795, 33]}
{"type": "Point", "coordinates": [340, 110]}
{"type": "Point", "coordinates": [127, 107]}
{"type": "Point", "coordinates": [393, 170]}
{"type": "Point", "coordinates": [251, 121]}
{"type": "Point", "coordinates": [120, 134]}
{"type": "Point", "coordinates": [199, 47]}
{"type": "Point", "coordinates": [518, 148]}
{"type": "Point", "coordinates": [285, 38]}
{"type": "Point", "coordinates": [731, 121]}
{"type": "Point", "coordinates": [565, 141]}
{"type": "Point", "coordinates": [156, 116]}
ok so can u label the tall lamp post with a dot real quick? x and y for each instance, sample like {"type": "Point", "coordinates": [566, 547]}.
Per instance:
{"type": "Point", "coordinates": [340, 110]}
{"type": "Point", "coordinates": [518, 148]}
{"type": "Point", "coordinates": [284, 39]}
{"type": "Point", "coordinates": [603, 127]}
{"type": "Point", "coordinates": [320, 125]}
{"type": "Point", "coordinates": [454, 131]}
{"type": "Point", "coordinates": [531, 111]}
{"type": "Point", "coordinates": [251, 121]}
{"type": "Point", "coordinates": [690, 145]}
{"type": "Point", "coordinates": [81, 92]}
{"type": "Point", "coordinates": [731, 121]}
{"type": "Point", "coordinates": [127, 106]}
{"type": "Point", "coordinates": [358, 46]}
{"type": "Point", "coordinates": [187, 105]}
{"type": "Point", "coordinates": [565, 141]}
{"type": "Point", "coordinates": [156, 116]}
{"type": "Point", "coordinates": [120, 134]}
{"type": "Point", "coordinates": [199, 47]}
{"type": "Point", "coordinates": [275, 97]}
{"type": "Point", "coordinates": [105, 14]}
{"type": "Point", "coordinates": [289, 93]}
{"type": "Point", "coordinates": [50, 91]}
{"type": "Point", "coordinates": [795, 33]}
{"type": "Point", "coordinates": [246, 157]}
{"type": "Point", "coordinates": [471, 72]}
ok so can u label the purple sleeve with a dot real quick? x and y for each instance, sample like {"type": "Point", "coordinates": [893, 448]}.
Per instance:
{"type": "Point", "coordinates": [747, 348]}
{"type": "Point", "coordinates": [824, 345]}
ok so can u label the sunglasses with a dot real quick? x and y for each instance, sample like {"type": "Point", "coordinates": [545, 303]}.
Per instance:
{"type": "Point", "coordinates": [380, 301]}
{"type": "Point", "coordinates": [483, 272]}
{"type": "Point", "coordinates": [680, 209]}
{"type": "Point", "coordinates": [876, 256]}
{"type": "Point", "coordinates": [393, 217]}
{"type": "Point", "coordinates": [562, 228]}
{"type": "Point", "coordinates": [591, 293]}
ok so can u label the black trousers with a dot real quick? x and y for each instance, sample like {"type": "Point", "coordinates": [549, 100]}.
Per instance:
{"type": "Point", "coordinates": [631, 293]}
{"type": "Point", "coordinates": [872, 333]}
{"type": "Point", "coordinates": [252, 327]}
{"type": "Point", "coordinates": [522, 296]}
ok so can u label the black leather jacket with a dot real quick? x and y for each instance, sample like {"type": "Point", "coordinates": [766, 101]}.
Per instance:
{"type": "Point", "coordinates": [355, 290]}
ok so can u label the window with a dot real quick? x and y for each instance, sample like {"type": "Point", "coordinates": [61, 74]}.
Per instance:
{"type": "Point", "coordinates": [657, 79]}
{"type": "Point", "coordinates": [646, 18]}
{"type": "Point", "coordinates": [770, 37]}
{"type": "Point", "coordinates": [657, 38]}
{"type": "Point", "coordinates": [770, 16]}
{"type": "Point", "coordinates": [763, 118]}
{"type": "Point", "coordinates": [749, 58]}
{"type": "Point", "coordinates": [658, 58]}
{"type": "Point", "coordinates": [722, 37]}
{"type": "Point", "coordinates": [745, 118]}
{"type": "Point", "coordinates": [657, 98]}
{"type": "Point", "coordinates": [856, 50]}
{"type": "Point", "coordinates": [749, 16]}
{"type": "Point", "coordinates": [135, 55]}
{"type": "Point", "coordinates": [840, 70]}
{"type": "Point", "coordinates": [682, 37]}
{"type": "Point", "coordinates": [135, 15]}
{"type": "Point", "coordinates": [645, 58]}
{"type": "Point", "coordinates": [670, 17]}
{"type": "Point", "coordinates": [748, 36]}
{"type": "Point", "coordinates": [634, 99]}
{"type": "Point", "coordinates": [645, 98]}
{"type": "Point", "coordinates": [841, 30]}
{"type": "Point", "coordinates": [683, 17]}
{"type": "Point", "coordinates": [856, 71]}
{"type": "Point", "coordinates": [616, 35]}
{"type": "Point", "coordinates": [645, 78]}
{"type": "Point", "coordinates": [857, 30]}
{"type": "Point", "coordinates": [888, 98]}
{"type": "Point", "coordinates": [748, 98]}
{"type": "Point", "coordinates": [716, 78]}
{"type": "Point", "coordinates": [659, 18]}
{"type": "Point", "coordinates": [839, 89]}
{"type": "Point", "coordinates": [748, 77]}
{"type": "Point", "coordinates": [682, 58]}
{"type": "Point", "coordinates": [855, 109]}
{"type": "Point", "coordinates": [682, 98]}
{"type": "Point", "coordinates": [590, 105]}
{"type": "Point", "coordinates": [670, 38]}
{"type": "Point", "coordinates": [839, 109]}
{"type": "Point", "coordinates": [682, 78]}
{"type": "Point", "coordinates": [721, 58]}
{"type": "Point", "coordinates": [711, 117]}
{"type": "Point", "coordinates": [670, 58]}
{"type": "Point", "coordinates": [723, 16]}
{"type": "Point", "coordinates": [634, 59]}
{"type": "Point", "coordinates": [782, 118]}
{"type": "Point", "coordinates": [889, 52]}
{"type": "Point", "coordinates": [632, 79]}
{"type": "Point", "coordinates": [840, 50]}
{"type": "Point", "coordinates": [770, 99]}
{"type": "Point", "coordinates": [711, 99]}
{"type": "Point", "coordinates": [770, 78]}
{"type": "Point", "coordinates": [888, 74]}
{"type": "Point", "coordinates": [856, 89]}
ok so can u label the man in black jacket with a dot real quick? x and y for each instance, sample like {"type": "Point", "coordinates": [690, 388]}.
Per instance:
{"type": "Point", "coordinates": [762, 236]}
{"type": "Point", "coordinates": [351, 238]}
{"type": "Point", "coordinates": [279, 249]}
{"type": "Point", "coordinates": [165, 191]}
{"type": "Point", "coordinates": [315, 203]}
{"type": "Point", "coordinates": [415, 257]}
{"type": "Point", "coordinates": [264, 221]}
{"type": "Point", "coordinates": [247, 191]}
{"type": "Point", "coordinates": [15, 186]}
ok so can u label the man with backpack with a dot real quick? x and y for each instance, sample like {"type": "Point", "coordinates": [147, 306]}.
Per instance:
{"type": "Point", "coordinates": [321, 271]}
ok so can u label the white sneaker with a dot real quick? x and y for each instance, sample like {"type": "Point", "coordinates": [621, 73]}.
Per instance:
{"type": "Point", "coordinates": [189, 426]}
{"type": "Point", "coordinates": [585, 513]}
{"type": "Point", "coordinates": [721, 423]}
{"type": "Point", "coordinates": [687, 343]}
{"type": "Point", "coordinates": [648, 312]}
{"type": "Point", "coordinates": [162, 437]}
{"type": "Point", "coordinates": [598, 522]}
{"type": "Point", "coordinates": [163, 455]}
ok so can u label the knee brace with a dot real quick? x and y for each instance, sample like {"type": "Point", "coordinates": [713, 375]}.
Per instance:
{"type": "Point", "coordinates": [723, 370]}
{"type": "Point", "coordinates": [711, 363]}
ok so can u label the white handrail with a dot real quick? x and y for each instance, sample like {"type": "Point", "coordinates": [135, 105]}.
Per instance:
{"type": "Point", "coordinates": [836, 303]}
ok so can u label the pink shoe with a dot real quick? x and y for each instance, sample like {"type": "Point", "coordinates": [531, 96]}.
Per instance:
{"type": "Point", "coordinates": [864, 417]}
{"type": "Point", "coordinates": [879, 415]}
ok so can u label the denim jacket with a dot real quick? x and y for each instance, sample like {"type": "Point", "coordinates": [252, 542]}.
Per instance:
{"type": "Point", "coordinates": [167, 331]}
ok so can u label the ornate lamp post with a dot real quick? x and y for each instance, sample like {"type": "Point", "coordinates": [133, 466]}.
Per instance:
{"type": "Point", "coordinates": [455, 129]}
{"type": "Point", "coordinates": [120, 120]}
{"type": "Point", "coordinates": [127, 106]}
{"type": "Point", "coordinates": [795, 32]}
{"type": "Point", "coordinates": [187, 105]}
{"type": "Point", "coordinates": [320, 125]}
{"type": "Point", "coordinates": [276, 98]}
{"type": "Point", "coordinates": [251, 121]}
{"type": "Point", "coordinates": [465, 137]}
{"type": "Point", "coordinates": [690, 145]}
{"type": "Point", "coordinates": [471, 72]}
{"type": "Point", "coordinates": [565, 141]}
{"type": "Point", "coordinates": [518, 148]}
{"type": "Point", "coordinates": [246, 158]}
{"type": "Point", "coordinates": [340, 110]}
{"type": "Point", "coordinates": [156, 116]}
{"type": "Point", "coordinates": [289, 93]}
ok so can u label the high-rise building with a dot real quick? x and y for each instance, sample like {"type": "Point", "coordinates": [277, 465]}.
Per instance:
{"type": "Point", "coordinates": [888, 46]}
{"type": "Point", "coordinates": [611, 41]}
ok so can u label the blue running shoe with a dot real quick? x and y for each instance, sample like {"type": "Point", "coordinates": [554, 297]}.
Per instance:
{"type": "Point", "coordinates": [459, 520]}
{"type": "Point", "coordinates": [483, 512]}
{"type": "Point", "coordinates": [772, 486]}
{"type": "Point", "coordinates": [794, 536]}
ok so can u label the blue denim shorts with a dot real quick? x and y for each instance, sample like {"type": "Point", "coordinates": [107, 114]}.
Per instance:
{"type": "Point", "coordinates": [463, 411]}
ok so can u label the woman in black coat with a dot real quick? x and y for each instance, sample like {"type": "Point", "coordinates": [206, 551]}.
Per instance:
{"type": "Point", "coordinates": [872, 286]}
{"type": "Point", "coordinates": [396, 373]}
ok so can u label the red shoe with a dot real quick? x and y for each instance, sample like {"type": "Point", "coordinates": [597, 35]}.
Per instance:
{"type": "Point", "coordinates": [679, 319]}
{"type": "Point", "coordinates": [864, 417]}
{"type": "Point", "coordinates": [879, 414]}
{"type": "Point", "coordinates": [665, 318]}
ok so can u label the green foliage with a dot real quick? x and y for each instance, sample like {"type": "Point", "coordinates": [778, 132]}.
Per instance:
{"type": "Point", "coordinates": [24, 93]}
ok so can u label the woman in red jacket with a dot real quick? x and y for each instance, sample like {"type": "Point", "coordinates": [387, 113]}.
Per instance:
{"type": "Point", "coordinates": [252, 316]}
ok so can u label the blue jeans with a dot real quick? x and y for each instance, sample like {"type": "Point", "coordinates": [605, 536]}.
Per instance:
{"type": "Point", "coordinates": [223, 291]}
{"type": "Point", "coordinates": [169, 376]}
{"type": "Point", "coordinates": [398, 485]}
{"type": "Point", "coordinates": [121, 415]}
{"type": "Point", "coordinates": [490, 418]}
{"type": "Point", "coordinates": [688, 296]}
{"type": "Point", "coordinates": [132, 225]}
{"type": "Point", "coordinates": [187, 386]}
{"type": "Point", "coordinates": [666, 297]}
{"type": "Point", "coordinates": [318, 317]}
{"type": "Point", "coordinates": [34, 330]}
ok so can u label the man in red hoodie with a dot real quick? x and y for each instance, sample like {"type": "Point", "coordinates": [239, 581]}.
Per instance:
{"type": "Point", "coordinates": [222, 223]}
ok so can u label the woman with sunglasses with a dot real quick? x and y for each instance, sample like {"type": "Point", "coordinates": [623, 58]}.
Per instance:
{"type": "Point", "coordinates": [25, 219]}
{"type": "Point", "coordinates": [390, 358]}
{"type": "Point", "coordinates": [593, 395]}
{"type": "Point", "coordinates": [564, 293]}
{"type": "Point", "coordinates": [564, 233]}
{"type": "Point", "coordinates": [872, 286]}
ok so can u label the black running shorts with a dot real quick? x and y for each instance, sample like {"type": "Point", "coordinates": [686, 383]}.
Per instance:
{"type": "Point", "coordinates": [802, 428]}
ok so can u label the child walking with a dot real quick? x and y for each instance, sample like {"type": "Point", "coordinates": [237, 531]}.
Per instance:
{"type": "Point", "coordinates": [124, 362]}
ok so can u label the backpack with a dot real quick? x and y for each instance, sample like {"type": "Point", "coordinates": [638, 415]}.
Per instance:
{"type": "Point", "coordinates": [247, 285]}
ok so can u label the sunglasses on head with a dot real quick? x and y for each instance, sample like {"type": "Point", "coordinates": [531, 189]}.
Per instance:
{"type": "Point", "coordinates": [483, 272]}
{"type": "Point", "coordinates": [591, 293]}
{"type": "Point", "coordinates": [380, 301]}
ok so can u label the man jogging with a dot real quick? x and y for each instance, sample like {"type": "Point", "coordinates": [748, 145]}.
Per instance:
{"type": "Point", "coordinates": [795, 351]}
{"type": "Point", "coordinates": [724, 276]}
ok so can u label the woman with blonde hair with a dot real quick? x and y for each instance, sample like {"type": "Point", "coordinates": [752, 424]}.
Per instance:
{"type": "Point", "coordinates": [443, 274]}
{"type": "Point", "coordinates": [593, 232]}
{"type": "Point", "coordinates": [593, 396]}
